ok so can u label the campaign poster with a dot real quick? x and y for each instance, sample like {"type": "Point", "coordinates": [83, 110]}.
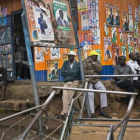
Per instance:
{"type": "Point", "coordinates": [135, 44]}
{"type": "Point", "coordinates": [136, 14]}
{"type": "Point", "coordinates": [82, 5]}
{"type": "Point", "coordinates": [61, 15]}
{"type": "Point", "coordinates": [129, 39]}
{"type": "Point", "coordinates": [106, 30]}
{"type": "Point", "coordinates": [123, 51]}
{"type": "Point", "coordinates": [96, 36]}
{"type": "Point", "coordinates": [125, 39]}
{"type": "Point", "coordinates": [114, 34]}
{"type": "Point", "coordinates": [136, 29]}
{"type": "Point", "coordinates": [40, 23]}
{"type": "Point", "coordinates": [39, 55]}
{"type": "Point", "coordinates": [115, 53]}
{"type": "Point", "coordinates": [92, 4]}
{"type": "Point", "coordinates": [125, 22]}
{"type": "Point", "coordinates": [107, 49]}
{"type": "Point", "coordinates": [109, 14]}
{"type": "Point", "coordinates": [85, 21]}
{"type": "Point", "coordinates": [130, 9]}
{"type": "Point", "coordinates": [86, 41]}
{"type": "Point", "coordinates": [55, 53]}
{"type": "Point", "coordinates": [131, 23]}
{"type": "Point", "coordinates": [99, 56]}
{"type": "Point", "coordinates": [116, 19]}
{"type": "Point", "coordinates": [130, 49]}
{"type": "Point", "coordinates": [93, 18]}
{"type": "Point", "coordinates": [53, 70]}
{"type": "Point", "coordinates": [121, 35]}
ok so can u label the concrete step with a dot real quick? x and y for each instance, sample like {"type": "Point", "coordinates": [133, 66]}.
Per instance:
{"type": "Point", "coordinates": [90, 132]}
{"type": "Point", "coordinates": [16, 105]}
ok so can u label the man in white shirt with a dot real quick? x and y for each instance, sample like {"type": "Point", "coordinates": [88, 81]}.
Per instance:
{"type": "Point", "coordinates": [135, 68]}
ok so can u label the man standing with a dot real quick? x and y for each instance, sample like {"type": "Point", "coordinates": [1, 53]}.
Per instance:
{"type": "Point", "coordinates": [3, 81]}
{"type": "Point", "coordinates": [92, 67]}
{"type": "Point", "coordinates": [70, 71]}
{"type": "Point", "coordinates": [135, 68]}
{"type": "Point", "coordinates": [124, 82]}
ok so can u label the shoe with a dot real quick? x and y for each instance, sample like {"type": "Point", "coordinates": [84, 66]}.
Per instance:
{"type": "Point", "coordinates": [26, 78]}
{"type": "Point", "coordinates": [63, 117]}
{"type": "Point", "coordinates": [18, 78]}
{"type": "Point", "coordinates": [93, 115]}
{"type": "Point", "coordinates": [104, 114]}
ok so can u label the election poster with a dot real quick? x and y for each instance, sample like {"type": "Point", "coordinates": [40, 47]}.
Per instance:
{"type": "Point", "coordinates": [109, 14]}
{"type": "Point", "coordinates": [123, 51]}
{"type": "Point", "coordinates": [115, 53]}
{"type": "Point", "coordinates": [82, 5]}
{"type": "Point", "coordinates": [106, 30]}
{"type": "Point", "coordinates": [130, 9]}
{"type": "Point", "coordinates": [99, 56]}
{"type": "Point", "coordinates": [85, 21]}
{"type": "Point", "coordinates": [96, 35]}
{"type": "Point", "coordinates": [114, 34]}
{"type": "Point", "coordinates": [125, 22]}
{"type": "Point", "coordinates": [55, 53]}
{"type": "Point", "coordinates": [131, 23]}
{"type": "Point", "coordinates": [121, 35]}
{"type": "Point", "coordinates": [130, 49]}
{"type": "Point", "coordinates": [39, 55]}
{"type": "Point", "coordinates": [116, 20]}
{"type": "Point", "coordinates": [136, 29]}
{"type": "Point", "coordinates": [53, 70]}
{"type": "Point", "coordinates": [61, 15]}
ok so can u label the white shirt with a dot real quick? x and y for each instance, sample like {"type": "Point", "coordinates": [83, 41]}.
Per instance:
{"type": "Point", "coordinates": [62, 21]}
{"type": "Point", "coordinates": [71, 65]}
{"type": "Point", "coordinates": [134, 65]}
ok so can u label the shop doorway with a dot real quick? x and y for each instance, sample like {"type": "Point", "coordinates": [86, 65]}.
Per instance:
{"type": "Point", "coordinates": [20, 54]}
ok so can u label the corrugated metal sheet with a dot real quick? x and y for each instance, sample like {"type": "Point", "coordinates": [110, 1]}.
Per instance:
{"type": "Point", "coordinates": [41, 76]}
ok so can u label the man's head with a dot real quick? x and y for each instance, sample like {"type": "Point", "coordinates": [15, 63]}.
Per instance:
{"type": "Point", "coordinates": [85, 37]}
{"type": "Point", "coordinates": [94, 55]}
{"type": "Point", "coordinates": [122, 60]}
{"type": "Point", "coordinates": [41, 15]}
{"type": "Point", "coordinates": [138, 57]}
{"type": "Point", "coordinates": [133, 56]}
{"type": "Point", "coordinates": [61, 14]}
{"type": "Point", "coordinates": [56, 65]}
{"type": "Point", "coordinates": [71, 56]}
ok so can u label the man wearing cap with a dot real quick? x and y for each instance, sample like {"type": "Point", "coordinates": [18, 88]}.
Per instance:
{"type": "Point", "coordinates": [92, 66]}
{"type": "Point", "coordinates": [70, 71]}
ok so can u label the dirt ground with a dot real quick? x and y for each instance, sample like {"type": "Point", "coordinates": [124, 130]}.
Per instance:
{"type": "Point", "coordinates": [53, 110]}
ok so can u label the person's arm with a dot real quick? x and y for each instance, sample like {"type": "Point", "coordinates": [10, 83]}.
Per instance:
{"type": "Point", "coordinates": [63, 70]}
{"type": "Point", "coordinates": [116, 72]}
{"type": "Point", "coordinates": [86, 70]}
{"type": "Point", "coordinates": [97, 66]}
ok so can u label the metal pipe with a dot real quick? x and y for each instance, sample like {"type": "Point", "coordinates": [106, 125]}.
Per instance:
{"type": "Point", "coordinates": [83, 101]}
{"type": "Point", "coordinates": [110, 133]}
{"type": "Point", "coordinates": [66, 121]}
{"type": "Point", "coordinates": [123, 127]}
{"type": "Point", "coordinates": [25, 133]}
{"type": "Point", "coordinates": [19, 113]}
{"type": "Point", "coordinates": [134, 75]}
{"type": "Point", "coordinates": [93, 90]}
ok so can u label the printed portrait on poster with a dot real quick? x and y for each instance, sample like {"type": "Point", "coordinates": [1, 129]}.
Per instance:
{"type": "Point", "coordinates": [85, 21]}
{"type": "Point", "coordinates": [130, 9]}
{"type": "Point", "coordinates": [114, 34]}
{"type": "Point", "coordinates": [87, 41]}
{"type": "Point", "coordinates": [116, 20]}
{"type": "Point", "coordinates": [121, 35]}
{"type": "Point", "coordinates": [130, 49]}
{"type": "Point", "coordinates": [41, 22]}
{"type": "Point", "coordinates": [82, 5]}
{"type": "Point", "coordinates": [54, 53]}
{"type": "Point", "coordinates": [136, 29]}
{"type": "Point", "coordinates": [92, 4]}
{"type": "Point", "coordinates": [53, 70]}
{"type": "Point", "coordinates": [96, 35]}
{"type": "Point", "coordinates": [106, 30]}
{"type": "Point", "coordinates": [4, 11]}
{"type": "Point", "coordinates": [130, 23]}
{"type": "Point", "coordinates": [123, 51]}
{"type": "Point", "coordinates": [125, 21]}
{"type": "Point", "coordinates": [136, 14]}
{"type": "Point", "coordinates": [109, 14]}
{"type": "Point", "coordinates": [61, 15]}
{"type": "Point", "coordinates": [39, 56]}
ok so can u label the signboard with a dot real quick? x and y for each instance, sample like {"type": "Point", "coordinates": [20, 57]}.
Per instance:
{"type": "Point", "coordinates": [50, 23]}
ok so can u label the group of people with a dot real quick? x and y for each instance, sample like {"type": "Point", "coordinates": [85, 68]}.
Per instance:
{"type": "Point", "coordinates": [91, 65]}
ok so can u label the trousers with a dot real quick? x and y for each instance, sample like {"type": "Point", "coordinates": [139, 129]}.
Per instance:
{"type": "Point", "coordinates": [103, 96]}
{"type": "Point", "coordinates": [68, 95]}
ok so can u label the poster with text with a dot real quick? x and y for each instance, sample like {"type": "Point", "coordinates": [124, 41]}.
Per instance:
{"type": "Point", "coordinates": [131, 23]}
{"type": "Point", "coordinates": [61, 15]}
{"type": "Point", "coordinates": [109, 14]}
{"type": "Point", "coordinates": [123, 50]}
{"type": "Point", "coordinates": [106, 30]}
{"type": "Point", "coordinates": [82, 5]}
{"type": "Point", "coordinates": [92, 4]}
{"type": "Point", "coordinates": [55, 53]}
{"type": "Point", "coordinates": [85, 21]}
{"type": "Point", "coordinates": [39, 55]}
{"type": "Point", "coordinates": [130, 49]}
{"type": "Point", "coordinates": [53, 70]}
{"type": "Point", "coordinates": [130, 9]}
{"type": "Point", "coordinates": [99, 56]}
{"type": "Point", "coordinates": [121, 35]}
{"type": "Point", "coordinates": [116, 18]}
{"type": "Point", "coordinates": [96, 36]}
{"type": "Point", "coordinates": [136, 14]}
{"type": "Point", "coordinates": [136, 29]}
{"type": "Point", "coordinates": [114, 34]}
{"type": "Point", "coordinates": [115, 53]}
{"type": "Point", "coordinates": [125, 21]}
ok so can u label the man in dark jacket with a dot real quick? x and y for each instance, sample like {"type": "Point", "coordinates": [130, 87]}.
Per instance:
{"type": "Point", "coordinates": [3, 81]}
{"type": "Point", "coordinates": [92, 67]}
{"type": "Point", "coordinates": [70, 71]}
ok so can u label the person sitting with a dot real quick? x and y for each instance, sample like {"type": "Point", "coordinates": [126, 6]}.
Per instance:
{"type": "Point", "coordinates": [92, 66]}
{"type": "Point", "coordinates": [3, 81]}
{"type": "Point", "coordinates": [21, 64]}
{"type": "Point", "coordinates": [70, 71]}
{"type": "Point", "coordinates": [124, 82]}
{"type": "Point", "coordinates": [135, 68]}
{"type": "Point", "coordinates": [138, 58]}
